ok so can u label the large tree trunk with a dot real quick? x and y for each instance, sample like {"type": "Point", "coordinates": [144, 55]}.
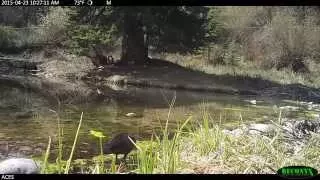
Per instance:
{"type": "Point", "coordinates": [133, 45]}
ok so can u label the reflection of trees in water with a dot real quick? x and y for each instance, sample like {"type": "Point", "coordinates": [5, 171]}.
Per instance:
{"type": "Point", "coordinates": [19, 102]}
{"type": "Point", "coordinates": [14, 97]}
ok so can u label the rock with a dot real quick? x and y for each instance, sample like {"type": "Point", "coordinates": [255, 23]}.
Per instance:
{"type": "Point", "coordinates": [252, 129]}
{"type": "Point", "coordinates": [131, 115]}
{"type": "Point", "coordinates": [237, 132]}
{"type": "Point", "coordinates": [304, 127]}
{"type": "Point", "coordinates": [117, 79]}
{"type": "Point", "coordinates": [253, 102]}
{"type": "Point", "coordinates": [261, 129]}
{"type": "Point", "coordinates": [301, 128]}
{"type": "Point", "coordinates": [19, 166]}
{"type": "Point", "coordinates": [292, 108]}
{"type": "Point", "coordinates": [226, 131]}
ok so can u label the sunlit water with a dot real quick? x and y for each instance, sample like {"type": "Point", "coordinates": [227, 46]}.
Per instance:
{"type": "Point", "coordinates": [27, 120]}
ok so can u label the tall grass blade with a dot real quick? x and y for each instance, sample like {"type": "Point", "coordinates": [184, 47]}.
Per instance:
{"type": "Point", "coordinates": [45, 162]}
{"type": "Point", "coordinates": [73, 146]}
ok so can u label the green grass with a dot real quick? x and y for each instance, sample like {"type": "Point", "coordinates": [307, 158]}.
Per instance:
{"type": "Point", "coordinates": [199, 146]}
{"type": "Point", "coordinates": [45, 161]}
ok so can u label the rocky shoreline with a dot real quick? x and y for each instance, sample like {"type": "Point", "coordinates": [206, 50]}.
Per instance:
{"type": "Point", "coordinates": [294, 133]}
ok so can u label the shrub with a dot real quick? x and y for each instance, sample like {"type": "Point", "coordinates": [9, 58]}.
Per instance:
{"type": "Point", "coordinates": [55, 24]}
{"type": "Point", "coordinates": [84, 38]}
{"type": "Point", "coordinates": [271, 37]}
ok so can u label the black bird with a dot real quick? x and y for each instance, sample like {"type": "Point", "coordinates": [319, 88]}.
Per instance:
{"type": "Point", "coordinates": [120, 144]}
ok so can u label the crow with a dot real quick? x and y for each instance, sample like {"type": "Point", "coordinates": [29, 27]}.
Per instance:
{"type": "Point", "coordinates": [120, 144]}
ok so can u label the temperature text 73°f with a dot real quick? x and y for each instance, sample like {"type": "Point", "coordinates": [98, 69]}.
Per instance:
{"type": "Point", "coordinates": [83, 2]}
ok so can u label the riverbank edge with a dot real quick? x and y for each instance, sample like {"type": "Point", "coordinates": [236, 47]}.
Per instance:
{"type": "Point", "coordinates": [158, 74]}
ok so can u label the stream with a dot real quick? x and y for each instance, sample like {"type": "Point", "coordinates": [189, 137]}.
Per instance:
{"type": "Point", "coordinates": [27, 119]}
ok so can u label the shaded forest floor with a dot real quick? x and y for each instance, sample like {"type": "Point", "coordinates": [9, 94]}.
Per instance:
{"type": "Point", "coordinates": [165, 74]}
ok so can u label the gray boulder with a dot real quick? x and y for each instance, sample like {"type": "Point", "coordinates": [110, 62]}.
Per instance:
{"type": "Point", "coordinates": [304, 128]}
{"type": "Point", "coordinates": [19, 166]}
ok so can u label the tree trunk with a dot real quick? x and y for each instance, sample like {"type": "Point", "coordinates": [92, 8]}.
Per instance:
{"type": "Point", "coordinates": [133, 45]}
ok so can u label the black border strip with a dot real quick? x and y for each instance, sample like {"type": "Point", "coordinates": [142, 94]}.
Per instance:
{"type": "Point", "coordinates": [133, 176]}
{"type": "Point", "coordinates": [161, 2]}
{"type": "Point", "coordinates": [212, 2]}
{"type": "Point", "coordinates": [197, 2]}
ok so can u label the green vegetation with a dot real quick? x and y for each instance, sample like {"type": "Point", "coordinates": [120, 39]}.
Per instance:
{"type": "Point", "coordinates": [201, 147]}
{"type": "Point", "coordinates": [275, 43]}
{"type": "Point", "coordinates": [84, 38]}
{"type": "Point", "coordinates": [13, 40]}
{"type": "Point", "coordinates": [100, 136]}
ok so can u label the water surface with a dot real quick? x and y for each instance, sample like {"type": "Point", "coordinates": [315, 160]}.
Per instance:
{"type": "Point", "coordinates": [27, 119]}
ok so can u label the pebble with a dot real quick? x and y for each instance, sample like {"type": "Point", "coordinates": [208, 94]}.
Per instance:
{"type": "Point", "coordinates": [131, 114]}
